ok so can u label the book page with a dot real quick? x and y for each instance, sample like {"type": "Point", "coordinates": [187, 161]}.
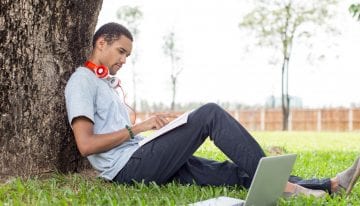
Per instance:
{"type": "Point", "coordinates": [180, 120]}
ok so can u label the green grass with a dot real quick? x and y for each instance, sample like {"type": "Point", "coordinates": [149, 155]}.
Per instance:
{"type": "Point", "coordinates": [319, 155]}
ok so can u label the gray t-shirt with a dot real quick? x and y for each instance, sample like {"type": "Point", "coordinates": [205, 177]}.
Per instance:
{"type": "Point", "coordinates": [92, 97]}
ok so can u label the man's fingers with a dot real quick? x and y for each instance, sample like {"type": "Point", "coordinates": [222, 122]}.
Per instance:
{"type": "Point", "coordinates": [168, 115]}
{"type": "Point", "coordinates": [163, 121]}
{"type": "Point", "coordinates": [171, 116]}
{"type": "Point", "coordinates": [160, 123]}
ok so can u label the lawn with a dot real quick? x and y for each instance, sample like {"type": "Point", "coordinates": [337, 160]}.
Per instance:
{"type": "Point", "coordinates": [319, 155]}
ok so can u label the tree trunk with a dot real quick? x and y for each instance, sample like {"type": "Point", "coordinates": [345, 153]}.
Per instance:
{"type": "Point", "coordinates": [285, 101]}
{"type": "Point", "coordinates": [41, 44]}
{"type": "Point", "coordinates": [173, 83]}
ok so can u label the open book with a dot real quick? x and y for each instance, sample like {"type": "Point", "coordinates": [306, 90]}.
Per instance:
{"type": "Point", "coordinates": [180, 120]}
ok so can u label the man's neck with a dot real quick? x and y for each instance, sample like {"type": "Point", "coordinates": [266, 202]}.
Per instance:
{"type": "Point", "coordinates": [93, 59]}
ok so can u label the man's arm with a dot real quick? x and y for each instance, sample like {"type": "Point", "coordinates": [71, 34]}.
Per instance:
{"type": "Point", "coordinates": [89, 143]}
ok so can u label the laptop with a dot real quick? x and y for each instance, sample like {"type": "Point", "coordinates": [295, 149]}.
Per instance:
{"type": "Point", "coordinates": [271, 176]}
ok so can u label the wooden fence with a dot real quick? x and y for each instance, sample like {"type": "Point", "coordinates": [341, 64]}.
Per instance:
{"type": "Point", "coordinates": [301, 119]}
{"type": "Point", "coordinates": [339, 119]}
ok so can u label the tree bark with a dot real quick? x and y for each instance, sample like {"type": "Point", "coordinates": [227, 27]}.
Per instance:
{"type": "Point", "coordinates": [285, 100]}
{"type": "Point", "coordinates": [42, 42]}
{"type": "Point", "coordinates": [173, 84]}
{"type": "Point", "coordinates": [287, 37]}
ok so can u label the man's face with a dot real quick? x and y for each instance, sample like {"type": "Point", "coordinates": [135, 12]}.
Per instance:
{"type": "Point", "coordinates": [114, 55]}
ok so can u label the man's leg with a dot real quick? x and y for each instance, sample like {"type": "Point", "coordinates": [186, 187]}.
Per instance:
{"type": "Point", "coordinates": [161, 158]}
{"type": "Point", "coordinates": [207, 172]}
{"type": "Point", "coordinates": [248, 149]}
{"type": "Point", "coordinates": [204, 172]}
{"type": "Point", "coordinates": [315, 184]}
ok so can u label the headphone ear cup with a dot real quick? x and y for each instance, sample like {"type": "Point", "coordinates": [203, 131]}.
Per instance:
{"type": "Point", "coordinates": [114, 82]}
{"type": "Point", "coordinates": [101, 71]}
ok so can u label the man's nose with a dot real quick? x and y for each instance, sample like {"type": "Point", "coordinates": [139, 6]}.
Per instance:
{"type": "Point", "coordinates": [123, 59]}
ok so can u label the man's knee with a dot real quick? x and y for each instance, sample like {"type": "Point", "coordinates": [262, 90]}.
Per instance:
{"type": "Point", "coordinates": [211, 107]}
{"type": "Point", "coordinates": [209, 111]}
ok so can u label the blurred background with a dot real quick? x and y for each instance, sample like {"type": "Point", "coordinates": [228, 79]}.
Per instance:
{"type": "Point", "coordinates": [245, 55]}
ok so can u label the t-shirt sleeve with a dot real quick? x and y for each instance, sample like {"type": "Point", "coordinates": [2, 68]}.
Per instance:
{"type": "Point", "coordinates": [80, 94]}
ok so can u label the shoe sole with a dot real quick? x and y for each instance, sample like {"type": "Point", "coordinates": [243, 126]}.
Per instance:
{"type": "Point", "coordinates": [354, 178]}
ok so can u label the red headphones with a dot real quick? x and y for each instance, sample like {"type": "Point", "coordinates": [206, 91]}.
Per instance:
{"type": "Point", "coordinates": [100, 71]}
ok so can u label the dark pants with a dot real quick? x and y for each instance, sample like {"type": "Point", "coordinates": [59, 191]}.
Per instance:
{"type": "Point", "coordinates": [170, 157]}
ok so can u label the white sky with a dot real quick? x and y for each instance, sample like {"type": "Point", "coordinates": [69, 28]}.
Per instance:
{"type": "Point", "coordinates": [217, 67]}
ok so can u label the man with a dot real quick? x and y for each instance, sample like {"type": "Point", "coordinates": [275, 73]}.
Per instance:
{"type": "Point", "coordinates": [104, 133]}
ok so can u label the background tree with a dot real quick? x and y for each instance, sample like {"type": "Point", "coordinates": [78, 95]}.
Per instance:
{"type": "Point", "coordinates": [355, 10]}
{"type": "Point", "coordinates": [277, 23]}
{"type": "Point", "coordinates": [132, 17]}
{"type": "Point", "coordinates": [170, 50]}
{"type": "Point", "coordinates": [41, 44]}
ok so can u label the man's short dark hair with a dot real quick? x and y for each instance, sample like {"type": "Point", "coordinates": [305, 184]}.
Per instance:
{"type": "Point", "coordinates": [111, 32]}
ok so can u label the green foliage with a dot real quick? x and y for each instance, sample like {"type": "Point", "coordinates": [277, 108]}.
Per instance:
{"type": "Point", "coordinates": [319, 154]}
{"type": "Point", "coordinates": [276, 23]}
{"type": "Point", "coordinates": [131, 16]}
{"type": "Point", "coordinates": [355, 10]}
{"type": "Point", "coordinates": [170, 49]}
{"type": "Point", "coordinates": [169, 44]}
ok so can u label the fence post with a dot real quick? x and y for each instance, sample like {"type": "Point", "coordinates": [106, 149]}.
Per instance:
{"type": "Point", "coordinates": [290, 121]}
{"type": "Point", "coordinates": [318, 125]}
{"type": "Point", "coordinates": [262, 119]}
{"type": "Point", "coordinates": [350, 119]}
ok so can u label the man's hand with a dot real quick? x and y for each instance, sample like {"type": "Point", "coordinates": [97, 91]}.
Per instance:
{"type": "Point", "coordinates": [154, 122]}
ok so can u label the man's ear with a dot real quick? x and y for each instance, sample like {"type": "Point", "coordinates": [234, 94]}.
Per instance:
{"type": "Point", "coordinates": [100, 43]}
